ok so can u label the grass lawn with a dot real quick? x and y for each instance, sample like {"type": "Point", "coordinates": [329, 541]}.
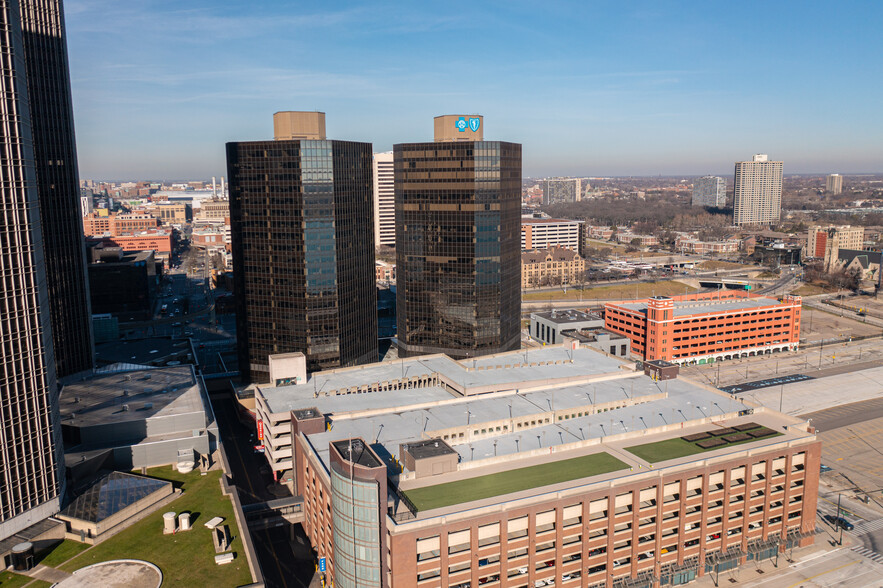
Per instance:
{"type": "Point", "coordinates": [441, 495]}
{"type": "Point", "coordinates": [713, 264]}
{"type": "Point", "coordinates": [186, 559]}
{"type": "Point", "coordinates": [812, 290]}
{"type": "Point", "coordinates": [613, 292]}
{"type": "Point", "coordinates": [677, 447]}
{"type": "Point", "coordinates": [10, 580]}
{"type": "Point", "coordinates": [62, 552]}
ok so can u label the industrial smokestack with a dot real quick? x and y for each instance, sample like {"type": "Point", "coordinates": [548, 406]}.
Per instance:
{"type": "Point", "coordinates": [214, 188]}
{"type": "Point", "coordinates": [223, 190]}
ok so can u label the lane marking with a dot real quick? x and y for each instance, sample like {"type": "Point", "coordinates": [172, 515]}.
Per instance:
{"type": "Point", "coordinates": [795, 584]}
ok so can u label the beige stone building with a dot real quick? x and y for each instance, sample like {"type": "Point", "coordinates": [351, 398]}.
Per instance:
{"type": "Point", "coordinates": [825, 243]}
{"type": "Point", "coordinates": [556, 265]}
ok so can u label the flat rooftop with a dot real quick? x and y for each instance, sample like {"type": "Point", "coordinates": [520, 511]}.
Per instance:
{"type": "Point", "coordinates": [146, 393]}
{"type": "Point", "coordinates": [690, 307]}
{"type": "Point", "coordinates": [563, 317]}
{"type": "Point", "coordinates": [530, 417]}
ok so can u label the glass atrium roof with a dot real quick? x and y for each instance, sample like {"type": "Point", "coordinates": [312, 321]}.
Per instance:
{"type": "Point", "coordinates": [111, 494]}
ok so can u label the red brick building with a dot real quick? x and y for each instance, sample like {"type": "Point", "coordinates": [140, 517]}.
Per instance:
{"type": "Point", "coordinates": [95, 225]}
{"type": "Point", "coordinates": [706, 327]}
{"type": "Point", "coordinates": [159, 242]}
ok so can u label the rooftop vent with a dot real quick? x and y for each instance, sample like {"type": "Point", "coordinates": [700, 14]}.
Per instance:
{"type": "Point", "coordinates": [125, 408]}
{"type": "Point", "coordinates": [125, 392]}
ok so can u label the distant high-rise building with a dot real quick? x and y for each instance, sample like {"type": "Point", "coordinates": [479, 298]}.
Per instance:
{"type": "Point", "coordinates": [302, 235]}
{"type": "Point", "coordinates": [834, 183]}
{"type": "Point", "coordinates": [384, 200]}
{"type": "Point", "coordinates": [825, 243]}
{"type": "Point", "coordinates": [562, 190]}
{"type": "Point", "coordinates": [758, 191]}
{"type": "Point", "coordinates": [58, 185]}
{"type": "Point", "coordinates": [458, 249]}
{"type": "Point", "coordinates": [30, 481]}
{"type": "Point", "coordinates": [710, 191]}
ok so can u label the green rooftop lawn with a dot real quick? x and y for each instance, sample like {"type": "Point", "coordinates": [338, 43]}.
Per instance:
{"type": "Point", "coordinates": [10, 580]}
{"type": "Point", "coordinates": [441, 495]}
{"type": "Point", "coordinates": [677, 447]}
{"type": "Point", "coordinates": [187, 558]}
{"type": "Point", "coordinates": [62, 552]}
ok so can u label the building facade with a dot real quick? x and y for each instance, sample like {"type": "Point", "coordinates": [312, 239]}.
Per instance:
{"type": "Point", "coordinates": [551, 267]}
{"type": "Point", "coordinates": [473, 502]}
{"type": "Point", "coordinates": [834, 184]}
{"type": "Point", "coordinates": [302, 236]}
{"type": "Point", "coordinates": [710, 191]}
{"type": "Point", "coordinates": [458, 205]}
{"type": "Point", "coordinates": [160, 242]}
{"type": "Point", "coordinates": [562, 190]}
{"type": "Point", "coordinates": [55, 162]}
{"type": "Point", "coordinates": [31, 482]}
{"type": "Point", "coordinates": [758, 191]}
{"type": "Point", "coordinates": [98, 225]}
{"type": "Point", "coordinates": [174, 213]}
{"type": "Point", "coordinates": [384, 200]}
{"type": "Point", "coordinates": [825, 243]}
{"type": "Point", "coordinates": [706, 327]}
{"type": "Point", "coordinates": [542, 233]}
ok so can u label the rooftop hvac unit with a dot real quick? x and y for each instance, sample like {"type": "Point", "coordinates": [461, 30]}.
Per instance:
{"type": "Point", "coordinates": [125, 408]}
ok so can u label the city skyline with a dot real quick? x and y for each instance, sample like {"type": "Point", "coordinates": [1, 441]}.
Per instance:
{"type": "Point", "coordinates": [636, 90]}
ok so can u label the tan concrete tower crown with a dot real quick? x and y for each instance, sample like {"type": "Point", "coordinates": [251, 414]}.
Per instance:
{"type": "Point", "coordinates": [459, 127]}
{"type": "Point", "coordinates": [295, 124]}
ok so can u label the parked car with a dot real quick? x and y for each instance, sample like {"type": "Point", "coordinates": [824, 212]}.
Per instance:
{"type": "Point", "coordinates": [839, 522]}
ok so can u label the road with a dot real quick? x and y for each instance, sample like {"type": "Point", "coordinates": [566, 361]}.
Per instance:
{"type": "Point", "coordinates": [284, 553]}
{"type": "Point", "coordinates": [845, 415]}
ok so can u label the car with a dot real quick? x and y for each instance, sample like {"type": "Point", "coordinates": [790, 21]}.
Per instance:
{"type": "Point", "coordinates": [176, 324]}
{"type": "Point", "coordinates": [839, 522]}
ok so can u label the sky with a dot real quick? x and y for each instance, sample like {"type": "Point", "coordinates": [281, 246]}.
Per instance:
{"type": "Point", "coordinates": [588, 88]}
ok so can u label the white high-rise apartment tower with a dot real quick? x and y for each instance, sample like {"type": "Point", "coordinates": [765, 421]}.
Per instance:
{"type": "Point", "coordinates": [710, 191]}
{"type": "Point", "coordinates": [834, 184]}
{"type": "Point", "coordinates": [758, 191]}
{"type": "Point", "coordinates": [384, 200]}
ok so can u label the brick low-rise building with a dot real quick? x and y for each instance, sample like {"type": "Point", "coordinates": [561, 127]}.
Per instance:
{"type": "Point", "coordinates": [706, 327]}
{"type": "Point", "coordinates": [97, 225]}
{"type": "Point", "coordinates": [159, 242]}
{"type": "Point", "coordinates": [460, 481]}
{"type": "Point", "coordinates": [553, 266]}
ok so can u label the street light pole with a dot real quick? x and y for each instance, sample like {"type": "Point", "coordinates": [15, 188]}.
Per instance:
{"type": "Point", "coordinates": [839, 523]}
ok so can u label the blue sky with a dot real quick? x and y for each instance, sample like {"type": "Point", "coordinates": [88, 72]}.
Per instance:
{"type": "Point", "coordinates": [588, 88]}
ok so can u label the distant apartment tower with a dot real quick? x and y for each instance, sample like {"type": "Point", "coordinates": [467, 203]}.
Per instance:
{"type": "Point", "coordinates": [710, 191]}
{"type": "Point", "coordinates": [458, 209]}
{"type": "Point", "coordinates": [302, 232]}
{"type": "Point", "coordinates": [834, 184]}
{"type": "Point", "coordinates": [36, 100]}
{"type": "Point", "coordinates": [384, 200]}
{"type": "Point", "coordinates": [562, 190]}
{"type": "Point", "coordinates": [825, 243]}
{"type": "Point", "coordinates": [758, 191]}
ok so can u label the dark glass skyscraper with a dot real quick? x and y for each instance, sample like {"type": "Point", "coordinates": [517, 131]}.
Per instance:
{"type": "Point", "coordinates": [55, 162]}
{"type": "Point", "coordinates": [301, 219]}
{"type": "Point", "coordinates": [30, 484]}
{"type": "Point", "coordinates": [458, 243]}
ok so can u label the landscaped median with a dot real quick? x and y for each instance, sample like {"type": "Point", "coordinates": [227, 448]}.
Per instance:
{"type": "Point", "coordinates": [718, 438]}
{"type": "Point", "coordinates": [546, 474]}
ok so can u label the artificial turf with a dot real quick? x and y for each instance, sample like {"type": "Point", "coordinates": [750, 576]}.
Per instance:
{"type": "Point", "coordinates": [678, 447]}
{"type": "Point", "coordinates": [449, 493]}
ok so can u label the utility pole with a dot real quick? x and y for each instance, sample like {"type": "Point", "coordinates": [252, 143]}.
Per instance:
{"type": "Point", "coordinates": [839, 522]}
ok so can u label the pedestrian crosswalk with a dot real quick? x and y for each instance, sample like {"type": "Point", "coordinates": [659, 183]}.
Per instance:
{"type": "Point", "coordinates": [868, 553]}
{"type": "Point", "coordinates": [868, 526]}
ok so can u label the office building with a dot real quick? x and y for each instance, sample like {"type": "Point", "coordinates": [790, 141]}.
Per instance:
{"type": "Point", "coordinates": [458, 204]}
{"type": "Point", "coordinates": [834, 184]}
{"type": "Point", "coordinates": [55, 164]}
{"type": "Point", "coordinates": [160, 242]}
{"type": "Point", "coordinates": [384, 200]}
{"type": "Point", "coordinates": [758, 191]}
{"type": "Point", "coordinates": [114, 223]}
{"type": "Point", "coordinates": [542, 233]}
{"type": "Point", "coordinates": [123, 284]}
{"type": "Point", "coordinates": [536, 467]}
{"type": "Point", "coordinates": [710, 191]}
{"type": "Point", "coordinates": [31, 482]}
{"type": "Point", "coordinates": [86, 204]}
{"type": "Point", "coordinates": [706, 327]}
{"type": "Point", "coordinates": [557, 190]}
{"type": "Point", "coordinates": [825, 243]}
{"type": "Point", "coordinates": [302, 232]}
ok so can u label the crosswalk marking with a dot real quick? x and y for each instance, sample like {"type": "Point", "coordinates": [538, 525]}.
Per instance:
{"type": "Point", "coordinates": [869, 526]}
{"type": "Point", "coordinates": [868, 553]}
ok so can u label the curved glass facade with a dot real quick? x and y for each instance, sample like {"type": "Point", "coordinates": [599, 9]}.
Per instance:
{"type": "Point", "coordinates": [355, 514]}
